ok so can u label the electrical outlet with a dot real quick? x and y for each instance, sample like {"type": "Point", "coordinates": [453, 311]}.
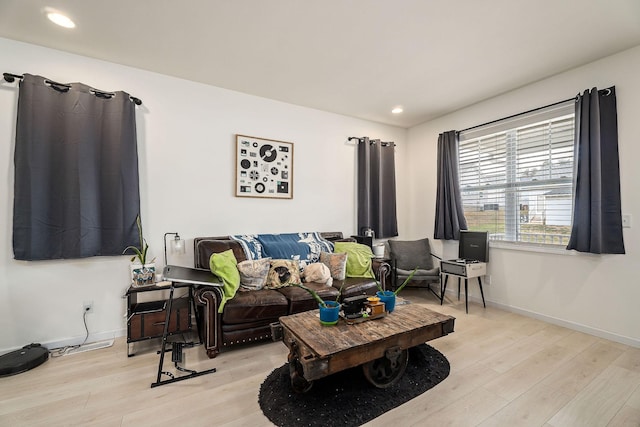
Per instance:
{"type": "Point", "coordinates": [487, 279]}
{"type": "Point", "coordinates": [87, 307]}
{"type": "Point", "coordinates": [626, 220]}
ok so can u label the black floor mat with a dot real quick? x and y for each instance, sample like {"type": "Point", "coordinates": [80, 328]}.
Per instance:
{"type": "Point", "coordinates": [346, 398]}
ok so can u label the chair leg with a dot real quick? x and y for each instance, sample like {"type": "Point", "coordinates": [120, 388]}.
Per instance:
{"type": "Point", "coordinates": [444, 289]}
{"type": "Point", "coordinates": [481, 292]}
{"type": "Point", "coordinates": [435, 294]}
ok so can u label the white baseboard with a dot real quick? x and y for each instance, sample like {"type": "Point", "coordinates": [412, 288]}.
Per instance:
{"type": "Point", "coordinates": [100, 336]}
{"type": "Point", "coordinates": [554, 320]}
{"type": "Point", "coordinates": [88, 347]}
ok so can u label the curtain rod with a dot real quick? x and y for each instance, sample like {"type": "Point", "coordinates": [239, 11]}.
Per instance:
{"type": "Point", "coordinates": [10, 78]}
{"type": "Point", "coordinates": [519, 114]}
{"type": "Point", "coordinates": [372, 141]}
{"type": "Point", "coordinates": [575, 98]}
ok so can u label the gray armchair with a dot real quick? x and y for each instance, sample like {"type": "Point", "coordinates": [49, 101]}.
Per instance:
{"type": "Point", "coordinates": [407, 255]}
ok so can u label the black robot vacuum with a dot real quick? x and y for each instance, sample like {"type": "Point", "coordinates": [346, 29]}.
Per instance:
{"type": "Point", "coordinates": [28, 357]}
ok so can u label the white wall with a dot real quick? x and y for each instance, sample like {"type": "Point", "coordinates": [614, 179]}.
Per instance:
{"type": "Point", "coordinates": [186, 140]}
{"type": "Point", "coordinates": [190, 127]}
{"type": "Point", "coordinates": [598, 294]}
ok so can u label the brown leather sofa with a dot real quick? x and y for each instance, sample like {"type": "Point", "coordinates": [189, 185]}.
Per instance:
{"type": "Point", "coordinates": [249, 315]}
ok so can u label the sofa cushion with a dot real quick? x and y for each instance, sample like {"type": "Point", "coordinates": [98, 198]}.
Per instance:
{"type": "Point", "coordinates": [249, 307]}
{"type": "Point", "coordinates": [253, 273]}
{"type": "Point", "coordinates": [317, 272]}
{"type": "Point", "coordinates": [301, 300]}
{"type": "Point", "coordinates": [283, 272]}
{"type": "Point", "coordinates": [337, 263]}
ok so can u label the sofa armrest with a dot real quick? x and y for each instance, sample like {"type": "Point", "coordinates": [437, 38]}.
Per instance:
{"type": "Point", "coordinates": [382, 271]}
{"type": "Point", "coordinates": [208, 301]}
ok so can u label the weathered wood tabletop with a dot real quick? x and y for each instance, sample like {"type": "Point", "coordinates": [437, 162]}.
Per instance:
{"type": "Point", "coordinates": [323, 350]}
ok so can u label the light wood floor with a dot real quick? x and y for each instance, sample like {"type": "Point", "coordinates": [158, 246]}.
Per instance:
{"type": "Point", "coordinates": [506, 370]}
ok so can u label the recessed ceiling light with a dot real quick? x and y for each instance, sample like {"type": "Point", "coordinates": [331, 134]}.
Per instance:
{"type": "Point", "coordinates": [397, 110]}
{"type": "Point", "coordinates": [60, 19]}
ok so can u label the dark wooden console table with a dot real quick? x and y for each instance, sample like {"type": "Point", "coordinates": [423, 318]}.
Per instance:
{"type": "Point", "coordinates": [146, 319]}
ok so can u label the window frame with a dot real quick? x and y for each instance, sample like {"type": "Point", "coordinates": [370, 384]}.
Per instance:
{"type": "Point", "coordinates": [509, 186]}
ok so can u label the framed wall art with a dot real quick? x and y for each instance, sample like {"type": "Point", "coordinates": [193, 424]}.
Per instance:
{"type": "Point", "coordinates": [264, 168]}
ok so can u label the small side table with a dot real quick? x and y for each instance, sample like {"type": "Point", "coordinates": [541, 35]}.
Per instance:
{"type": "Point", "coordinates": [463, 270]}
{"type": "Point", "coordinates": [146, 320]}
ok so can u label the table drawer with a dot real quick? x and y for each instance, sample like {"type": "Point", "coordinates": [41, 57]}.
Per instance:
{"type": "Point", "coordinates": [147, 319]}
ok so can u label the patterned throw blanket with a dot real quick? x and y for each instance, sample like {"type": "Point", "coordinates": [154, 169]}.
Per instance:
{"type": "Point", "coordinates": [305, 247]}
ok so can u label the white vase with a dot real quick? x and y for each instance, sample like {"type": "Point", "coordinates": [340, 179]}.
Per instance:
{"type": "Point", "coordinates": [378, 250]}
{"type": "Point", "coordinates": [143, 275]}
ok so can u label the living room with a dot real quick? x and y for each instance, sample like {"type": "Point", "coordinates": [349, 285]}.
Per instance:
{"type": "Point", "coordinates": [186, 136]}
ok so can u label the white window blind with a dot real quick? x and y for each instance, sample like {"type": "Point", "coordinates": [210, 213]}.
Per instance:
{"type": "Point", "coordinates": [516, 176]}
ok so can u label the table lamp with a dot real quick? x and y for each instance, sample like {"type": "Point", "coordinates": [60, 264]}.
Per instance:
{"type": "Point", "coordinates": [177, 245]}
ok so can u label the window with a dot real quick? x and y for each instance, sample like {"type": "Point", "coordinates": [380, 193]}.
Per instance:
{"type": "Point", "coordinates": [516, 176]}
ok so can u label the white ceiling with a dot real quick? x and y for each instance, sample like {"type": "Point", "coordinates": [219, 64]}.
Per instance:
{"type": "Point", "coordinates": [360, 58]}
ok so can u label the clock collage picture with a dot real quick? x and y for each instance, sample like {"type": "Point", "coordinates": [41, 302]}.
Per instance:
{"type": "Point", "coordinates": [264, 168]}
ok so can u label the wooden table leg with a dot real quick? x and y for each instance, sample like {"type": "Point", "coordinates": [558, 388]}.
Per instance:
{"type": "Point", "coordinates": [299, 384]}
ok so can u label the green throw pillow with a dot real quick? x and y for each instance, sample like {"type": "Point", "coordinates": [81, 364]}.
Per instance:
{"type": "Point", "coordinates": [358, 258]}
{"type": "Point", "coordinates": [225, 266]}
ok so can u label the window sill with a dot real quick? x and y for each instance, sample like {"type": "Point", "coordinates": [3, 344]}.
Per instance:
{"type": "Point", "coordinates": [532, 247]}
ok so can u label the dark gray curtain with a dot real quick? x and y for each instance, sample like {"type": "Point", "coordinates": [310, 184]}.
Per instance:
{"type": "Point", "coordinates": [76, 172]}
{"type": "Point", "coordinates": [449, 211]}
{"type": "Point", "coordinates": [377, 187]}
{"type": "Point", "coordinates": [597, 213]}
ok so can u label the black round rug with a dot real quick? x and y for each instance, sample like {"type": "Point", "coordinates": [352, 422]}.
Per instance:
{"type": "Point", "coordinates": [347, 398]}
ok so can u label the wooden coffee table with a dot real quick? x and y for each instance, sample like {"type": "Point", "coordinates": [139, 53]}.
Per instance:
{"type": "Point", "coordinates": [380, 346]}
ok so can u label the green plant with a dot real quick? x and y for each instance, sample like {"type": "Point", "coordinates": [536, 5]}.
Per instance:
{"type": "Point", "coordinates": [314, 294]}
{"type": "Point", "coordinates": [141, 252]}
{"type": "Point", "coordinates": [378, 284]}
{"type": "Point", "coordinates": [339, 292]}
{"type": "Point", "coordinates": [317, 297]}
{"type": "Point", "coordinates": [407, 280]}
